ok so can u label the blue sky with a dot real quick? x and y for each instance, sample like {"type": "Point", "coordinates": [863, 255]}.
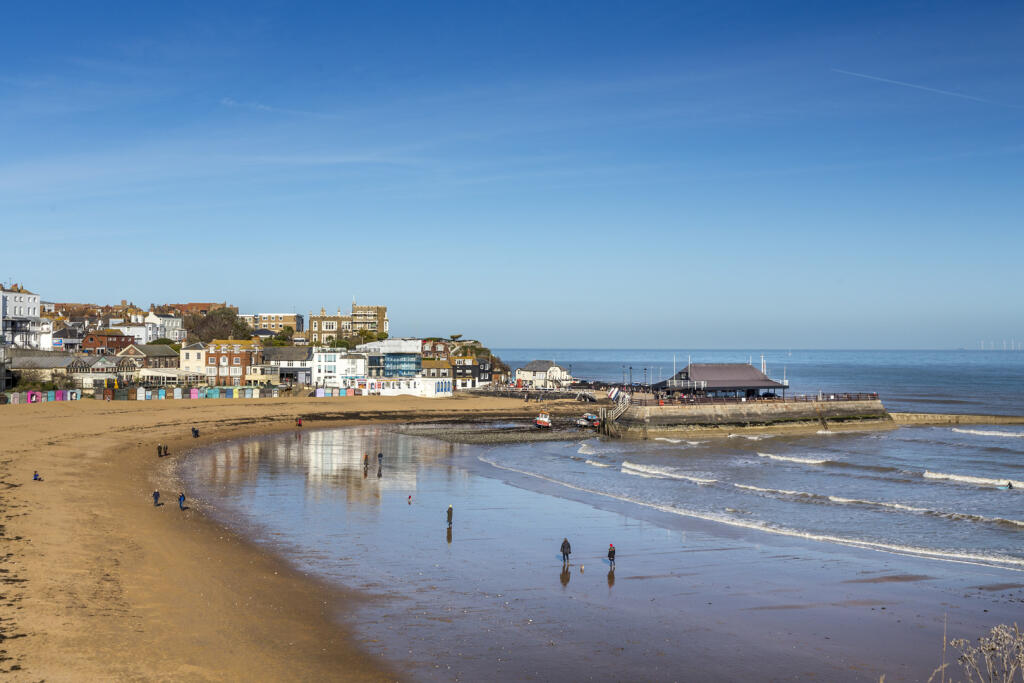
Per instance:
{"type": "Point", "coordinates": [660, 175]}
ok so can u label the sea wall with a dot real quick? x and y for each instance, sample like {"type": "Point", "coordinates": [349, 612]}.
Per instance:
{"type": "Point", "coordinates": [645, 419]}
{"type": "Point", "coordinates": [924, 419]}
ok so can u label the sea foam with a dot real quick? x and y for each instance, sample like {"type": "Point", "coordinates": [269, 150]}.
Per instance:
{"type": "Point", "coordinates": [977, 481]}
{"type": "Point", "coordinates": [990, 432]}
{"type": "Point", "coordinates": [663, 472]}
{"type": "Point", "coordinates": [1004, 561]}
{"type": "Point", "coordinates": [787, 458]}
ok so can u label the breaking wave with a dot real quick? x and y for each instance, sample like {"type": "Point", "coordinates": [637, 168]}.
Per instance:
{"type": "Point", "coordinates": [1004, 561]}
{"type": "Point", "coordinates": [585, 449]}
{"type": "Point", "coordinates": [662, 472]}
{"type": "Point", "coordinates": [990, 432]}
{"type": "Point", "coordinates": [977, 481]}
{"type": "Point", "coordinates": [786, 458]}
{"type": "Point", "coordinates": [751, 437]}
{"type": "Point", "coordinates": [599, 464]}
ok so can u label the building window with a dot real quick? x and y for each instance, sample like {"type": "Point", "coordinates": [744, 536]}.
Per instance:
{"type": "Point", "coordinates": [236, 361]}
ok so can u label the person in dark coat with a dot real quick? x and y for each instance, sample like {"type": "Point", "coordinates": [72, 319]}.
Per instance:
{"type": "Point", "coordinates": [450, 513]}
{"type": "Point", "coordinates": [181, 501]}
{"type": "Point", "coordinates": [156, 498]}
{"type": "Point", "coordinates": [566, 550]}
{"type": "Point", "coordinates": [611, 554]}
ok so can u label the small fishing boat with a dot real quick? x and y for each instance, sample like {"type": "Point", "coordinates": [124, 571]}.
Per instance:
{"type": "Point", "coordinates": [588, 420]}
{"type": "Point", "coordinates": [543, 421]}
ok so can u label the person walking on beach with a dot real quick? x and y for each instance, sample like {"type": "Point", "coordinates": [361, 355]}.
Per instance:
{"type": "Point", "coordinates": [380, 460]}
{"type": "Point", "coordinates": [156, 498]}
{"type": "Point", "coordinates": [366, 460]}
{"type": "Point", "coordinates": [181, 501]}
{"type": "Point", "coordinates": [35, 476]}
{"type": "Point", "coordinates": [566, 550]}
{"type": "Point", "coordinates": [450, 513]}
{"type": "Point", "coordinates": [611, 555]}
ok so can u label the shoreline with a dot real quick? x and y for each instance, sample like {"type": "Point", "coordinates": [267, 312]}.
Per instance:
{"type": "Point", "coordinates": [102, 585]}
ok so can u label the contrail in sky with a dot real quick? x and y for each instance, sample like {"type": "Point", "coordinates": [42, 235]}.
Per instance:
{"type": "Point", "coordinates": [925, 88]}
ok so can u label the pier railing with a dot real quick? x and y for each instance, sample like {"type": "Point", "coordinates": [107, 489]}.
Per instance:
{"type": "Point", "coordinates": [801, 398]}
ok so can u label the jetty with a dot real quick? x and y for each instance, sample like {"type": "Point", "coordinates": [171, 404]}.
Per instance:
{"type": "Point", "coordinates": [734, 395]}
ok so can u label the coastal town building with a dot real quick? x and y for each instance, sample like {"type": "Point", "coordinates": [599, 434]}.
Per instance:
{"type": "Point", "coordinates": [294, 363]}
{"type": "Point", "coordinates": [151, 355]}
{"type": "Point", "coordinates": [409, 345]}
{"type": "Point", "coordinates": [415, 386]}
{"type": "Point", "coordinates": [721, 379]}
{"type": "Point", "coordinates": [167, 326]}
{"type": "Point", "coordinates": [67, 339]}
{"type": "Point", "coordinates": [106, 342]}
{"type": "Point", "coordinates": [275, 322]}
{"type": "Point", "coordinates": [336, 368]}
{"type": "Point", "coordinates": [141, 332]}
{"type": "Point", "coordinates": [192, 358]}
{"type": "Point", "coordinates": [324, 328]}
{"type": "Point", "coordinates": [543, 374]}
{"type": "Point", "coordinates": [47, 368]}
{"type": "Point", "coordinates": [438, 349]}
{"type": "Point", "coordinates": [196, 308]}
{"type": "Point", "coordinates": [228, 361]}
{"type": "Point", "coordinates": [436, 368]}
{"type": "Point", "coordinates": [19, 317]}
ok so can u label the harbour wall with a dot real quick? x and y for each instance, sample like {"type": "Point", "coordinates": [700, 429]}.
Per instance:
{"type": "Point", "coordinates": [925, 419]}
{"type": "Point", "coordinates": [642, 420]}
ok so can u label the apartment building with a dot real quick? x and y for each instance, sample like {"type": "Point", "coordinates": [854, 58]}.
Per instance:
{"type": "Point", "coordinates": [19, 317]}
{"type": "Point", "coordinates": [229, 361]}
{"type": "Point", "coordinates": [275, 322]}
{"type": "Point", "coordinates": [325, 328]}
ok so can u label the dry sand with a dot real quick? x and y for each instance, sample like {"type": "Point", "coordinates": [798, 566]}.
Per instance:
{"type": "Point", "coordinates": [97, 584]}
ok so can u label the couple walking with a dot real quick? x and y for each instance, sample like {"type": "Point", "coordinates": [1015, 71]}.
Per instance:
{"type": "Point", "coordinates": [567, 550]}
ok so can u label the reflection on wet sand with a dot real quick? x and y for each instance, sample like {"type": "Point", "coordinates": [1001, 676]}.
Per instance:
{"type": "Point", "coordinates": [565, 575]}
{"type": "Point", "coordinates": [611, 577]}
{"type": "Point", "coordinates": [329, 459]}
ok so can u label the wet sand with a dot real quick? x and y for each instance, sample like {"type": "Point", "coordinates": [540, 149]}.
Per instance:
{"type": "Point", "coordinates": [688, 599]}
{"type": "Point", "coordinates": [99, 584]}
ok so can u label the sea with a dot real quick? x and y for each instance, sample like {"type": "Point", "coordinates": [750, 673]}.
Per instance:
{"type": "Point", "coordinates": [938, 495]}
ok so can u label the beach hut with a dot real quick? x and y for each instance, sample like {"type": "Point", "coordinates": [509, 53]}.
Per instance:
{"type": "Point", "coordinates": [162, 394]}
{"type": "Point", "coordinates": [275, 393]}
{"type": "Point", "coordinates": [33, 396]}
{"type": "Point", "coordinates": [58, 395]}
{"type": "Point", "coordinates": [193, 393]}
{"type": "Point", "coordinates": [140, 394]}
{"type": "Point", "coordinates": [74, 394]}
{"type": "Point", "coordinates": [255, 392]}
{"type": "Point", "coordinates": [14, 398]}
{"type": "Point", "coordinates": [320, 392]}
{"type": "Point", "coordinates": [177, 393]}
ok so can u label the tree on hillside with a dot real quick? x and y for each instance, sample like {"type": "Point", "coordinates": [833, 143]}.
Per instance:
{"type": "Point", "coordinates": [455, 337]}
{"type": "Point", "coordinates": [222, 323]}
{"type": "Point", "coordinates": [285, 335]}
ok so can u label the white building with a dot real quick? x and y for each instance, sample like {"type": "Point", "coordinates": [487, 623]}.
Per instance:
{"type": "Point", "coordinates": [397, 345]}
{"type": "Point", "coordinates": [192, 358]}
{"type": "Point", "coordinates": [337, 369]}
{"type": "Point", "coordinates": [427, 387]}
{"type": "Point", "coordinates": [542, 374]}
{"type": "Point", "coordinates": [168, 326]}
{"type": "Point", "coordinates": [144, 332]}
{"type": "Point", "coordinates": [19, 317]}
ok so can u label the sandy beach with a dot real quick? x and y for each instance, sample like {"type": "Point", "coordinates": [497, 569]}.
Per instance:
{"type": "Point", "coordinates": [99, 585]}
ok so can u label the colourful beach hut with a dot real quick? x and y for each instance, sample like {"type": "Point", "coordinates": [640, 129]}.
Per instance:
{"type": "Point", "coordinates": [193, 393]}
{"type": "Point", "coordinates": [34, 396]}
{"type": "Point", "coordinates": [162, 394]}
{"type": "Point", "coordinates": [248, 392]}
{"type": "Point", "coordinates": [320, 393]}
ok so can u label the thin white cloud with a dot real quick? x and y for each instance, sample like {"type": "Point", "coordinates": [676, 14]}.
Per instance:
{"type": "Point", "coordinates": [937, 91]}
{"type": "Point", "coordinates": [257, 106]}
